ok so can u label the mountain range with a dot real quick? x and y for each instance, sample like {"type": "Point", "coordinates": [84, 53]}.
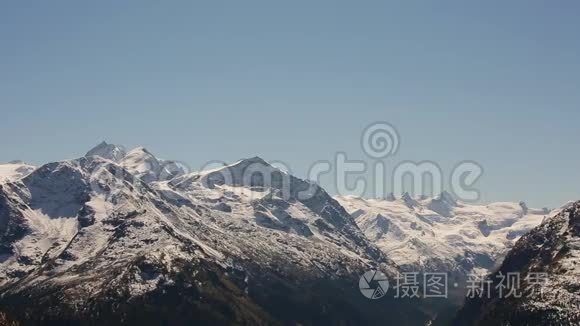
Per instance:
{"type": "Point", "coordinates": [123, 237]}
{"type": "Point", "coordinates": [441, 234]}
{"type": "Point", "coordinates": [112, 239]}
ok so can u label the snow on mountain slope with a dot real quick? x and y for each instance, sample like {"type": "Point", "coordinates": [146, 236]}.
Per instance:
{"type": "Point", "coordinates": [252, 191]}
{"type": "Point", "coordinates": [14, 170]}
{"type": "Point", "coordinates": [91, 238]}
{"type": "Point", "coordinates": [141, 163]}
{"type": "Point", "coordinates": [441, 234]}
{"type": "Point", "coordinates": [551, 249]}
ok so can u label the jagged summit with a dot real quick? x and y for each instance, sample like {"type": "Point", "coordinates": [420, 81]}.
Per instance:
{"type": "Point", "coordinates": [237, 173]}
{"type": "Point", "coordinates": [109, 151]}
{"type": "Point", "coordinates": [145, 165]}
{"type": "Point", "coordinates": [255, 163]}
{"type": "Point", "coordinates": [446, 197]}
{"type": "Point", "coordinates": [252, 172]}
{"type": "Point", "coordinates": [408, 200]}
{"type": "Point", "coordinates": [149, 168]}
{"type": "Point", "coordinates": [141, 163]}
{"type": "Point", "coordinates": [443, 204]}
{"type": "Point", "coordinates": [252, 160]}
{"type": "Point", "coordinates": [524, 207]}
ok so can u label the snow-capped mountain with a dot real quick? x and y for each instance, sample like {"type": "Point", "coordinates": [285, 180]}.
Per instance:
{"type": "Point", "coordinates": [111, 152]}
{"type": "Point", "coordinates": [113, 242]}
{"type": "Point", "coordinates": [144, 165]}
{"type": "Point", "coordinates": [442, 234]}
{"type": "Point", "coordinates": [128, 237]}
{"type": "Point", "coordinates": [552, 250]}
{"type": "Point", "coordinates": [14, 170]}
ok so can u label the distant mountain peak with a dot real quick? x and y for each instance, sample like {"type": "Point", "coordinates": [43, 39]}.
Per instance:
{"type": "Point", "coordinates": [444, 195]}
{"type": "Point", "coordinates": [14, 170]}
{"type": "Point", "coordinates": [408, 200]}
{"type": "Point", "coordinates": [142, 163]}
{"type": "Point", "coordinates": [140, 149]}
{"type": "Point", "coordinates": [524, 207]}
{"type": "Point", "coordinates": [443, 204]}
{"type": "Point", "coordinates": [108, 151]}
{"type": "Point", "coordinates": [253, 160]}
{"type": "Point", "coordinates": [17, 162]}
{"type": "Point", "coordinates": [239, 171]}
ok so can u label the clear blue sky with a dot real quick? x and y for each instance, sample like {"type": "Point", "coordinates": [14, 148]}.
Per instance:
{"type": "Point", "coordinates": [497, 82]}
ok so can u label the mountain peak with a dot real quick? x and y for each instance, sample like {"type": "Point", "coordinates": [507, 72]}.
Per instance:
{"type": "Point", "coordinates": [252, 160]}
{"type": "Point", "coordinates": [408, 200]}
{"type": "Point", "coordinates": [17, 162]}
{"type": "Point", "coordinates": [524, 207]}
{"type": "Point", "coordinates": [443, 204]}
{"type": "Point", "coordinates": [14, 170]}
{"type": "Point", "coordinates": [241, 172]}
{"type": "Point", "coordinates": [447, 198]}
{"type": "Point", "coordinates": [141, 163]}
{"type": "Point", "coordinates": [154, 236]}
{"type": "Point", "coordinates": [149, 168]}
{"type": "Point", "coordinates": [108, 151]}
{"type": "Point", "coordinates": [141, 150]}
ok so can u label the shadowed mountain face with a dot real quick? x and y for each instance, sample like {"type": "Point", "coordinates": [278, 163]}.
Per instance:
{"type": "Point", "coordinates": [105, 241]}
{"type": "Point", "coordinates": [546, 261]}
